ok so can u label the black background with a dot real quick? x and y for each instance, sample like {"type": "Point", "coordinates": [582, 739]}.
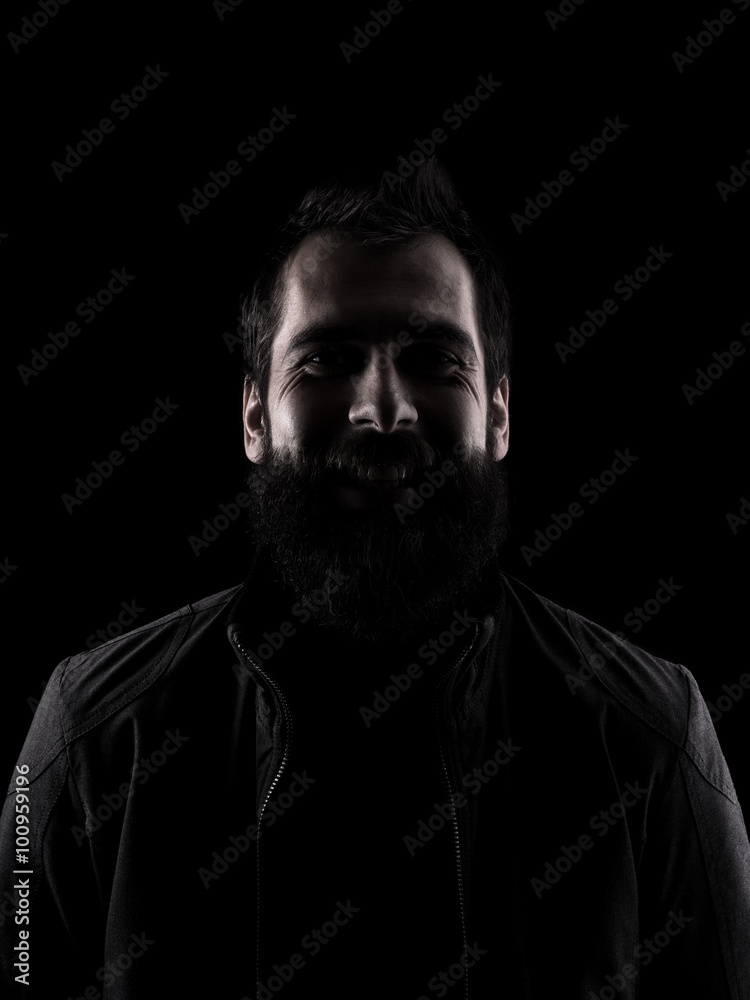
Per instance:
{"type": "Point", "coordinates": [164, 335]}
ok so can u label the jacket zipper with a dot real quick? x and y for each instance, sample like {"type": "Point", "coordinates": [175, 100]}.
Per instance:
{"type": "Point", "coordinates": [454, 818]}
{"type": "Point", "coordinates": [286, 715]}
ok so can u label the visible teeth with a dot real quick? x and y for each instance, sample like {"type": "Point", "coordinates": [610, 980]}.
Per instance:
{"type": "Point", "coordinates": [384, 474]}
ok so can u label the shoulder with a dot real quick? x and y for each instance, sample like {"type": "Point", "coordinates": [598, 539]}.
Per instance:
{"type": "Point", "coordinates": [89, 688]}
{"type": "Point", "coordinates": [605, 672]}
{"type": "Point", "coordinates": [589, 656]}
{"type": "Point", "coordinates": [124, 666]}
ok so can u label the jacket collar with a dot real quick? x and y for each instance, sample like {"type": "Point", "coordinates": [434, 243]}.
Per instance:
{"type": "Point", "coordinates": [263, 609]}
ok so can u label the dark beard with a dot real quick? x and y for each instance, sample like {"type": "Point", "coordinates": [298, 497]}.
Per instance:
{"type": "Point", "coordinates": [391, 570]}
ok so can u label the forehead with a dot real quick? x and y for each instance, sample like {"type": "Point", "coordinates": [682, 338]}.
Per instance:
{"type": "Point", "coordinates": [331, 280]}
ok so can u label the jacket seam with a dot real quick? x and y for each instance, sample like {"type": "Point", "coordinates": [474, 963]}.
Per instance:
{"type": "Point", "coordinates": [717, 895]}
{"type": "Point", "coordinates": [186, 611]}
{"type": "Point", "coordinates": [54, 751]}
{"type": "Point", "coordinates": [706, 771]}
{"type": "Point", "coordinates": [129, 694]}
{"type": "Point", "coordinates": [183, 620]}
{"type": "Point", "coordinates": [48, 807]}
{"type": "Point", "coordinates": [225, 597]}
{"type": "Point", "coordinates": [69, 765]}
{"type": "Point", "coordinates": [672, 780]}
{"type": "Point", "coordinates": [641, 711]}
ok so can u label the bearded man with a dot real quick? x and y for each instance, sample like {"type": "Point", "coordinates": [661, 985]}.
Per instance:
{"type": "Point", "coordinates": [379, 765]}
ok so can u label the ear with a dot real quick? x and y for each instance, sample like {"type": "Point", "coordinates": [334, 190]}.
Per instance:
{"type": "Point", "coordinates": [500, 420]}
{"type": "Point", "coordinates": [252, 414]}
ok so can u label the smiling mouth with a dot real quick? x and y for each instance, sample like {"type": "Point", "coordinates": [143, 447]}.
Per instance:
{"type": "Point", "coordinates": [386, 476]}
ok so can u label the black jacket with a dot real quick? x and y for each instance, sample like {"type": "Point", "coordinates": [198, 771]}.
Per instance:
{"type": "Point", "coordinates": [230, 801]}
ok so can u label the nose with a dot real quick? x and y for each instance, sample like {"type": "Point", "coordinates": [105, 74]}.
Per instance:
{"type": "Point", "coordinates": [382, 399]}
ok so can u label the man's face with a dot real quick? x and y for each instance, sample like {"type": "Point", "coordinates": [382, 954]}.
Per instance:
{"type": "Point", "coordinates": [377, 380]}
{"type": "Point", "coordinates": [372, 343]}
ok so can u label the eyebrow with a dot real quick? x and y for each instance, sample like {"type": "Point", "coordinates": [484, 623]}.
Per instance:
{"type": "Point", "coordinates": [324, 333]}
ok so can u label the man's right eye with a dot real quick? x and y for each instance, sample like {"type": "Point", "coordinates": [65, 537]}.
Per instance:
{"type": "Point", "coordinates": [332, 358]}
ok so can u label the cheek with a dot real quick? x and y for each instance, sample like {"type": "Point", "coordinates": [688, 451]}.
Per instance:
{"type": "Point", "coordinates": [306, 411]}
{"type": "Point", "coordinates": [458, 414]}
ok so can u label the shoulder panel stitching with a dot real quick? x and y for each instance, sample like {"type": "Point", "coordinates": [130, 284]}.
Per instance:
{"type": "Point", "coordinates": [130, 693]}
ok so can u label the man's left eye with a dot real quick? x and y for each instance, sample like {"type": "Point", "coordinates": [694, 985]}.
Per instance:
{"type": "Point", "coordinates": [424, 356]}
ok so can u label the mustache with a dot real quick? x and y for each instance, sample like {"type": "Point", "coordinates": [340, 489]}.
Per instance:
{"type": "Point", "coordinates": [366, 448]}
